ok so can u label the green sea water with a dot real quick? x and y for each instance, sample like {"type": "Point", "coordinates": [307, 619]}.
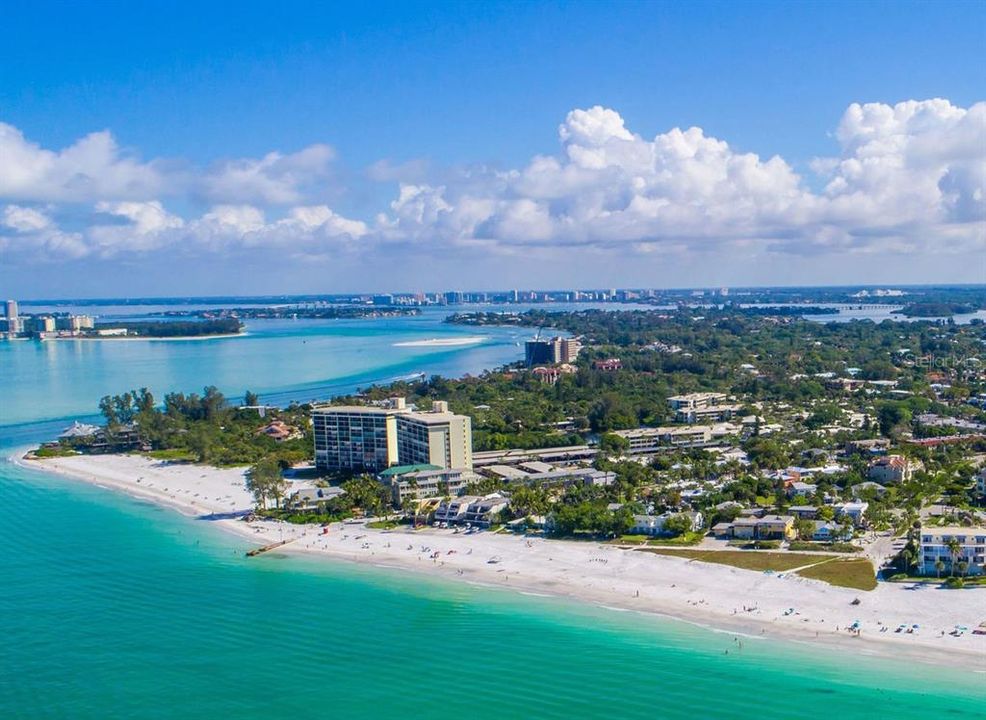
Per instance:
{"type": "Point", "coordinates": [114, 608]}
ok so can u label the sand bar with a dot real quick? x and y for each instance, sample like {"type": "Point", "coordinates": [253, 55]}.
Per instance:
{"type": "Point", "coordinates": [442, 342]}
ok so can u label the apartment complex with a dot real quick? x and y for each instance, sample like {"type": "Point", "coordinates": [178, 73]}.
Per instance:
{"type": "Point", "coordinates": [551, 352]}
{"type": "Point", "coordinates": [371, 438]}
{"type": "Point", "coordinates": [12, 324]}
{"type": "Point", "coordinates": [693, 401]}
{"type": "Point", "coordinates": [702, 407]}
{"type": "Point", "coordinates": [651, 440]}
{"type": "Point", "coordinates": [439, 438]}
{"type": "Point", "coordinates": [425, 481]}
{"type": "Point", "coordinates": [951, 546]}
{"type": "Point", "coordinates": [355, 437]}
{"type": "Point", "coordinates": [472, 509]}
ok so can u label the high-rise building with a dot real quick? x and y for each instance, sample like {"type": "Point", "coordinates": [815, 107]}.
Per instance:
{"type": "Point", "coordinates": [355, 437]}
{"type": "Point", "coordinates": [438, 437]}
{"type": "Point", "coordinates": [75, 323]}
{"type": "Point", "coordinates": [568, 349]}
{"type": "Point", "coordinates": [550, 352]}
{"type": "Point", "coordinates": [42, 324]}
{"type": "Point", "coordinates": [538, 352]}
{"type": "Point", "coordinates": [370, 438]}
{"type": "Point", "coordinates": [14, 324]}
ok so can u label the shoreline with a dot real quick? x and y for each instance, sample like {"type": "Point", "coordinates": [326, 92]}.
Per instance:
{"type": "Point", "coordinates": [717, 598]}
{"type": "Point", "coordinates": [132, 338]}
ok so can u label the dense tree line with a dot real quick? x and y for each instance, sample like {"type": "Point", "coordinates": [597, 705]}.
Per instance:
{"type": "Point", "coordinates": [206, 427]}
{"type": "Point", "coordinates": [178, 328]}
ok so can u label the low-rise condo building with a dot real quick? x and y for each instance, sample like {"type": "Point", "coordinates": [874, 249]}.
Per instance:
{"type": "Point", "coordinates": [694, 401]}
{"type": "Point", "coordinates": [710, 413]}
{"type": "Point", "coordinates": [453, 510]}
{"type": "Point", "coordinates": [483, 511]}
{"type": "Point", "coordinates": [951, 546]}
{"type": "Point", "coordinates": [652, 440]}
{"type": "Point", "coordinates": [425, 481]}
{"type": "Point", "coordinates": [312, 499]}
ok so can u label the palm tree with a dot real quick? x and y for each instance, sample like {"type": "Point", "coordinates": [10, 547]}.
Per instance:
{"type": "Point", "coordinates": [939, 566]}
{"type": "Point", "coordinates": [954, 549]}
{"type": "Point", "coordinates": [410, 507]}
{"type": "Point", "coordinates": [963, 567]}
{"type": "Point", "coordinates": [908, 556]}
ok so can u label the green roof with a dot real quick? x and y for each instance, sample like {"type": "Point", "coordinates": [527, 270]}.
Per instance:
{"type": "Point", "coordinates": [405, 469]}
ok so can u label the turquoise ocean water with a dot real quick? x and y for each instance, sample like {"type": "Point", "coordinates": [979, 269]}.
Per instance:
{"type": "Point", "coordinates": [113, 608]}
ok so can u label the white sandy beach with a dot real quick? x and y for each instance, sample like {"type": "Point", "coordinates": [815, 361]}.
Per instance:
{"type": "Point", "coordinates": [719, 596]}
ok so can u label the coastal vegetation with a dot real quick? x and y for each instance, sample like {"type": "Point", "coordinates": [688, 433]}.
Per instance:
{"type": "Point", "coordinates": [55, 451]}
{"type": "Point", "coordinates": [935, 309]}
{"type": "Point", "coordinates": [176, 328]}
{"type": "Point", "coordinates": [843, 572]}
{"type": "Point", "coordinates": [207, 428]}
{"type": "Point", "coordinates": [761, 561]}
{"type": "Point", "coordinates": [307, 312]}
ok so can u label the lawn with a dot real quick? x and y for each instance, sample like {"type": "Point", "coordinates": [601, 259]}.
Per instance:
{"type": "Point", "coordinates": [843, 572]}
{"type": "Point", "coordinates": [747, 560]}
{"type": "Point", "coordinates": [382, 524]}
{"type": "Point", "coordinates": [683, 540]}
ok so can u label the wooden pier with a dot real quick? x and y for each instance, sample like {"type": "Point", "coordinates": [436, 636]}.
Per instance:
{"type": "Point", "coordinates": [265, 548]}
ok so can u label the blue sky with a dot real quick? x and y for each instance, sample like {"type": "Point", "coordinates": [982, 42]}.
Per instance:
{"type": "Point", "coordinates": [457, 102]}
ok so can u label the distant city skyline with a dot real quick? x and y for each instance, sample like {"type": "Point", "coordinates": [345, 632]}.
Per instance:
{"type": "Point", "coordinates": [404, 148]}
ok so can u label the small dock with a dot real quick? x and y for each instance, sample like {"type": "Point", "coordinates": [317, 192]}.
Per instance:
{"type": "Point", "coordinates": [266, 548]}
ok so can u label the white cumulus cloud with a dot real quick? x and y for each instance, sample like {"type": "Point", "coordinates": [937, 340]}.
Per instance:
{"type": "Point", "coordinates": [274, 178]}
{"type": "Point", "coordinates": [28, 231]}
{"type": "Point", "coordinates": [92, 167]}
{"type": "Point", "coordinates": [905, 178]}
